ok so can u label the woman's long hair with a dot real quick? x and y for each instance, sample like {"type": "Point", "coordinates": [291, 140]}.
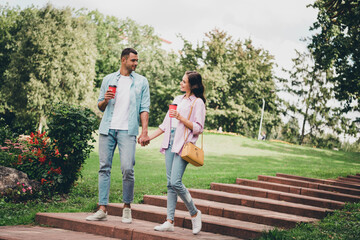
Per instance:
{"type": "Point", "coordinates": [196, 85]}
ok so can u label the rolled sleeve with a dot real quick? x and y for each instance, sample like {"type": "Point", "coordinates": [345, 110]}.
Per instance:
{"type": "Point", "coordinates": [145, 99]}
{"type": "Point", "coordinates": [199, 117]}
{"type": "Point", "coordinates": [165, 122]}
{"type": "Point", "coordinates": [102, 93]}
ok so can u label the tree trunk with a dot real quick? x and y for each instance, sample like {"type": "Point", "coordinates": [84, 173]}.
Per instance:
{"type": "Point", "coordinates": [306, 113]}
{"type": "Point", "coordinates": [42, 122]}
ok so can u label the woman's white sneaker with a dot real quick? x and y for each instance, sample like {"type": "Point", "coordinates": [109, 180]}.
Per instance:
{"type": "Point", "coordinates": [196, 223]}
{"type": "Point", "coordinates": [126, 215]}
{"type": "Point", "coordinates": [100, 215]}
{"type": "Point", "coordinates": [165, 227]}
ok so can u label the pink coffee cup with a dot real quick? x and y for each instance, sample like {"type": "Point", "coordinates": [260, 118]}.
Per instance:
{"type": "Point", "coordinates": [172, 107]}
{"type": "Point", "coordinates": [112, 88]}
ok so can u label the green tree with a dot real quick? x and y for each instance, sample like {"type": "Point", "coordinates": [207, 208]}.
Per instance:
{"type": "Point", "coordinates": [158, 66]}
{"type": "Point", "coordinates": [237, 77]}
{"type": "Point", "coordinates": [314, 100]}
{"type": "Point", "coordinates": [335, 45]}
{"type": "Point", "coordinates": [53, 60]}
{"type": "Point", "coordinates": [8, 16]}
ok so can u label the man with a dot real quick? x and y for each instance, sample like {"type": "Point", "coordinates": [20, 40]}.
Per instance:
{"type": "Point", "coordinates": [119, 126]}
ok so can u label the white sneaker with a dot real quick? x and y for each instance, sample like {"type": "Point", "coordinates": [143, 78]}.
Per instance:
{"type": "Point", "coordinates": [196, 223]}
{"type": "Point", "coordinates": [100, 215]}
{"type": "Point", "coordinates": [165, 227]}
{"type": "Point", "coordinates": [126, 215]}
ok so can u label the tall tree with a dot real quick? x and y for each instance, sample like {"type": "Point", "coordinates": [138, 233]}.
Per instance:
{"type": "Point", "coordinates": [237, 77]}
{"type": "Point", "coordinates": [335, 45]}
{"type": "Point", "coordinates": [53, 61]}
{"type": "Point", "coordinates": [8, 16]}
{"type": "Point", "coordinates": [158, 66]}
{"type": "Point", "coordinates": [314, 100]}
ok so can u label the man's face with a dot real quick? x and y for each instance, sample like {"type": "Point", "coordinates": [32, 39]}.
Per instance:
{"type": "Point", "coordinates": [130, 62]}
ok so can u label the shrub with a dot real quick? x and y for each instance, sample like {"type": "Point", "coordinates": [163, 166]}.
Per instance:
{"type": "Point", "coordinates": [38, 157]}
{"type": "Point", "coordinates": [71, 128]}
{"type": "Point", "coordinates": [20, 193]}
{"type": "Point", "coordinates": [54, 158]}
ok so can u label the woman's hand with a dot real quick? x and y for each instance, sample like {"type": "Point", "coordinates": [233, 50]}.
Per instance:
{"type": "Point", "coordinates": [174, 114]}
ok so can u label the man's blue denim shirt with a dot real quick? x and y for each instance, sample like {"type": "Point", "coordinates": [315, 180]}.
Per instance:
{"type": "Point", "coordinates": [139, 101]}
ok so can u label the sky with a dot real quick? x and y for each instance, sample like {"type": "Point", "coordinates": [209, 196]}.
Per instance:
{"type": "Point", "coordinates": [276, 26]}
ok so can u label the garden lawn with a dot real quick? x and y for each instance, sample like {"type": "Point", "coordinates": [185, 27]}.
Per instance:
{"type": "Point", "coordinates": [227, 157]}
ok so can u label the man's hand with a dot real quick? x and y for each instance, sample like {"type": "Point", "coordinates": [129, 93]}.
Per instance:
{"type": "Point", "coordinates": [144, 139]}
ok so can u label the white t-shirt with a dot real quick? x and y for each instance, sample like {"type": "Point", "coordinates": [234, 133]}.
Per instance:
{"type": "Point", "coordinates": [120, 118]}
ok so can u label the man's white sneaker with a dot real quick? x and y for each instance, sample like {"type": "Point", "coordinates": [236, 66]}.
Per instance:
{"type": "Point", "coordinates": [126, 215]}
{"type": "Point", "coordinates": [196, 223]}
{"type": "Point", "coordinates": [165, 227]}
{"type": "Point", "coordinates": [100, 215]}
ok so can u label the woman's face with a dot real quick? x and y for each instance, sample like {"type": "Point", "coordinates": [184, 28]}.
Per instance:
{"type": "Point", "coordinates": [184, 84]}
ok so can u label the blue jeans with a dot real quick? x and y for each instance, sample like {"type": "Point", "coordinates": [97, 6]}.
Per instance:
{"type": "Point", "coordinates": [107, 144]}
{"type": "Point", "coordinates": [175, 168]}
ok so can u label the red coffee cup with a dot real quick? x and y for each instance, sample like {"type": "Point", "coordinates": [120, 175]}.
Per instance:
{"type": "Point", "coordinates": [172, 106]}
{"type": "Point", "coordinates": [112, 88]}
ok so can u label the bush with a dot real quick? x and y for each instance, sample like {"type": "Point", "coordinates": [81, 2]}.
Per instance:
{"type": "Point", "coordinates": [54, 158]}
{"type": "Point", "coordinates": [20, 193]}
{"type": "Point", "coordinates": [38, 157]}
{"type": "Point", "coordinates": [71, 128]}
{"type": "Point", "coordinates": [5, 132]}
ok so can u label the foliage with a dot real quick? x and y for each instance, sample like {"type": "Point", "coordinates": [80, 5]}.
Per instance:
{"type": "Point", "coordinates": [71, 128]}
{"type": "Point", "coordinates": [351, 147]}
{"type": "Point", "coordinates": [51, 58]}
{"type": "Point", "coordinates": [39, 158]}
{"type": "Point", "coordinates": [342, 224]}
{"type": "Point", "coordinates": [237, 77]}
{"type": "Point", "coordinates": [335, 45]}
{"type": "Point", "coordinates": [290, 131]}
{"type": "Point", "coordinates": [20, 193]}
{"type": "Point", "coordinates": [5, 132]}
{"type": "Point", "coordinates": [159, 67]}
{"type": "Point", "coordinates": [313, 100]}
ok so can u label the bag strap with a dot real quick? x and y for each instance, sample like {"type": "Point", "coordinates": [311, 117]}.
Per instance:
{"type": "Point", "coordinates": [202, 137]}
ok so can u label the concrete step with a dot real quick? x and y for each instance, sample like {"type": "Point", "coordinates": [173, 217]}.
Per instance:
{"type": "Point", "coordinates": [277, 195]}
{"type": "Point", "coordinates": [260, 203]}
{"type": "Point", "coordinates": [322, 181]}
{"type": "Point", "coordinates": [308, 184]}
{"type": "Point", "coordinates": [212, 224]}
{"type": "Point", "coordinates": [48, 233]}
{"type": "Point", "coordinates": [283, 187]}
{"type": "Point", "coordinates": [261, 216]}
{"type": "Point", "coordinates": [114, 228]}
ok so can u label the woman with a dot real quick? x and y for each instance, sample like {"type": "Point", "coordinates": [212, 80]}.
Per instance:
{"type": "Point", "coordinates": [177, 127]}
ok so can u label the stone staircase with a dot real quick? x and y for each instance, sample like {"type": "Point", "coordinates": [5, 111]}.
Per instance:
{"type": "Point", "coordinates": [230, 211]}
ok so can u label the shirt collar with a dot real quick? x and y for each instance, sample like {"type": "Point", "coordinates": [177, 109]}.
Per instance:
{"type": "Point", "coordinates": [118, 74]}
{"type": "Point", "coordinates": [192, 97]}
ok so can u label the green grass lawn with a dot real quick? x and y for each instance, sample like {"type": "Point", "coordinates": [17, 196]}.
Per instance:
{"type": "Point", "coordinates": [226, 158]}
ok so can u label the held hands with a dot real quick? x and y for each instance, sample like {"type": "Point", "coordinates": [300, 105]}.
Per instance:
{"type": "Point", "coordinates": [144, 139]}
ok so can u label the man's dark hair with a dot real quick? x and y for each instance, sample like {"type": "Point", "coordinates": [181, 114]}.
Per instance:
{"type": "Point", "coordinates": [126, 52]}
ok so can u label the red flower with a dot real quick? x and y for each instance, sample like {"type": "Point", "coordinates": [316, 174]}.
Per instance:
{"type": "Point", "coordinates": [57, 152]}
{"type": "Point", "coordinates": [32, 135]}
{"type": "Point", "coordinates": [42, 160]}
{"type": "Point", "coordinates": [36, 141]}
{"type": "Point", "coordinates": [58, 170]}
{"type": "Point", "coordinates": [43, 180]}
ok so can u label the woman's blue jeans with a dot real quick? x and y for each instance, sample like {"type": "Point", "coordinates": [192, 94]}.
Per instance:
{"type": "Point", "coordinates": [107, 144]}
{"type": "Point", "coordinates": [175, 168]}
